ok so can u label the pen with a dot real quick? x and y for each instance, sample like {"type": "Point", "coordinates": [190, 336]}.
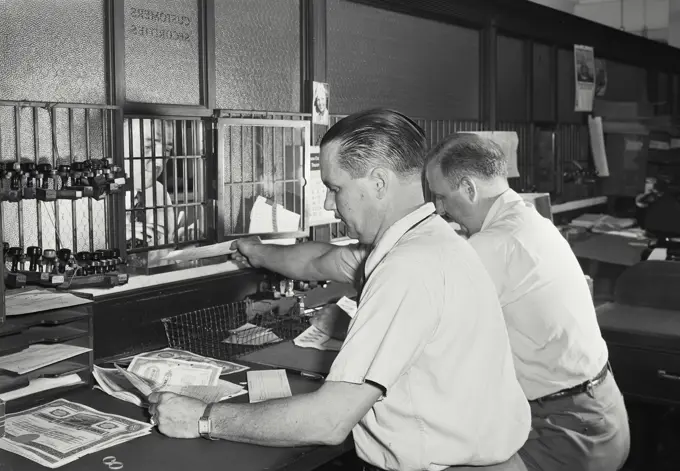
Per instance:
{"type": "Point", "coordinates": [306, 374]}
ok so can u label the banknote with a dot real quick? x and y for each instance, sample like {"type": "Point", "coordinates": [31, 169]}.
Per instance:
{"type": "Point", "coordinates": [176, 354]}
{"type": "Point", "coordinates": [172, 372]}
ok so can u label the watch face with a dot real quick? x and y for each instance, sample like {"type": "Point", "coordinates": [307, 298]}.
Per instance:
{"type": "Point", "coordinates": [204, 426]}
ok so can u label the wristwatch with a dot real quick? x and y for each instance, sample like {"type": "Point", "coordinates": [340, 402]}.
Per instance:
{"type": "Point", "coordinates": [205, 424]}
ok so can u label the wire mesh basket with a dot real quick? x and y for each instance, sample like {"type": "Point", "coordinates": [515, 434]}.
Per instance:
{"type": "Point", "coordinates": [231, 330]}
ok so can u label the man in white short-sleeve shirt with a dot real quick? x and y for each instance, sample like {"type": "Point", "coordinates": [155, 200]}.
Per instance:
{"type": "Point", "coordinates": [579, 418]}
{"type": "Point", "coordinates": [424, 379]}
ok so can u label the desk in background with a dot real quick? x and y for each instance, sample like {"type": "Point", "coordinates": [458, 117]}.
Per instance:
{"type": "Point", "coordinates": [156, 451]}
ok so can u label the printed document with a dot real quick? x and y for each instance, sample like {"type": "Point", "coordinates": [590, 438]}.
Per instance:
{"type": "Point", "coordinates": [38, 356]}
{"type": "Point", "coordinates": [62, 431]}
{"type": "Point", "coordinates": [268, 384]}
{"type": "Point", "coordinates": [314, 338]}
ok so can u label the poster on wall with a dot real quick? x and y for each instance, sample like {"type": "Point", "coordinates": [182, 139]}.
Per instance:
{"type": "Point", "coordinates": [320, 101]}
{"type": "Point", "coordinates": [600, 77]}
{"type": "Point", "coordinates": [584, 72]}
{"type": "Point", "coordinates": [315, 193]}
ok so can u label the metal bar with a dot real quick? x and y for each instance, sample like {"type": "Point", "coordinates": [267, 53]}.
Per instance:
{"type": "Point", "coordinates": [185, 179]}
{"type": "Point", "coordinates": [283, 158]}
{"type": "Point", "coordinates": [194, 188]}
{"type": "Point", "coordinates": [174, 177]}
{"type": "Point", "coordinates": [131, 152]}
{"type": "Point", "coordinates": [166, 221]}
{"type": "Point", "coordinates": [36, 147]}
{"type": "Point", "coordinates": [74, 212]}
{"type": "Point", "coordinates": [88, 156]}
{"type": "Point", "coordinates": [110, 228]}
{"type": "Point", "coordinates": [155, 178]}
{"type": "Point", "coordinates": [253, 167]}
{"type": "Point", "coordinates": [17, 147]}
{"type": "Point", "coordinates": [142, 152]}
{"type": "Point", "coordinates": [55, 157]}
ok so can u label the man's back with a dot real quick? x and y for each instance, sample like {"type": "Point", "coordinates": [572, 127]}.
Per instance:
{"type": "Point", "coordinates": [442, 356]}
{"type": "Point", "coordinates": [546, 301]}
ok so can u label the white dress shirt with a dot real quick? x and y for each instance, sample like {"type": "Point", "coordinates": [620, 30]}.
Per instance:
{"type": "Point", "coordinates": [429, 331]}
{"type": "Point", "coordinates": [554, 334]}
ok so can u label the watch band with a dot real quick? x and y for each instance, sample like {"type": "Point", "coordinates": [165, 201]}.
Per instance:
{"type": "Point", "coordinates": [205, 424]}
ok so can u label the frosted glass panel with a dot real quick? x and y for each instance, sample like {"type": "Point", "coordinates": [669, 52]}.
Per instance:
{"type": "Point", "coordinates": [52, 51]}
{"type": "Point", "coordinates": [161, 51]}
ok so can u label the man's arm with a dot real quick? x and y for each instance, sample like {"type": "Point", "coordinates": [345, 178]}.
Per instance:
{"type": "Point", "coordinates": [314, 261]}
{"type": "Point", "coordinates": [324, 417]}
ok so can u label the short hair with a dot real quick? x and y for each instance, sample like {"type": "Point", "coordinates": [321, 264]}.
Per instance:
{"type": "Point", "coordinates": [464, 154]}
{"type": "Point", "coordinates": [378, 137]}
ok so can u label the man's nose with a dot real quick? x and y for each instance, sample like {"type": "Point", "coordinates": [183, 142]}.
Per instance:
{"type": "Point", "coordinates": [329, 201]}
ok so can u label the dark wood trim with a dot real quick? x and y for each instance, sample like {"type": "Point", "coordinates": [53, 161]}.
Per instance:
{"type": "Point", "coordinates": [114, 17]}
{"type": "Point", "coordinates": [206, 52]}
{"type": "Point", "coordinates": [319, 25]}
{"type": "Point", "coordinates": [531, 20]}
{"type": "Point", "coordinates": [489, 76]}
{"type": "Point", "coordinates": [306, 54]}
{"type": "Point", "coordinates": [166, 111]}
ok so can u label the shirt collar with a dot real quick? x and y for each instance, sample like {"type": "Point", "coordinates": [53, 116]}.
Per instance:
{"type": "Point", "coordinates": [393, 234]}
{"type": "Point", "coordinates": [507, 197]}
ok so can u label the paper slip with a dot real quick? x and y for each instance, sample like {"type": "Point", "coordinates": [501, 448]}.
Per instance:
{"type": "Point", "coordinates": [264, 218]}
{"type": "Point", "coordinates": [60, 432]}
{"type": "Point", "coordinates": [175, 354]}
{"type": "Point", "coordinates": [347, 305]}
{"type": "Point", "coordinates": [268, 384]}
{"type": "Point", "coordinates": [249, 334]}
{"type": "Point", "coordinates": [314, 338]}
{"type": "Point", "coordinates": [38, 356]}
{"type": "Point", "coordinates": [196, 253]}
{"type": "Point", "coordinates": [37, 300]}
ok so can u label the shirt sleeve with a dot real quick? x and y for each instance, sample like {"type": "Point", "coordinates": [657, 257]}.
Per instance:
{"type": "Point", "coordinates": [398, 314]}
{"type": "Point", "coordinates": [349, 261]}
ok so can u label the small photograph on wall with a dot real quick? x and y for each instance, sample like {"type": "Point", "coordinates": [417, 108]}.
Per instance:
{"type": "Point", "coordinates": [600, 77]}
{"type": "Point", "coordinates": [320, 114]}
{"type": "Point", "coordinates": [584, 65]}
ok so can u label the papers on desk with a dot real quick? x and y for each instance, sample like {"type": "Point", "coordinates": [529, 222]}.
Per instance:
{"type": "Point", "coordinates": [175, 354]}
{"type": "Point", "coordinates": [30, 301]}
{"type": "Point", "coordinates": [38, 356]}
{"type": "Point", "coordinates": [249, 334]}
{"type": "Point", "coordinates": [314, 338]}
{"type": "Point", "coordinates": [42, 384]}
{"type": "Point", "coordinates": [60, 432]}
{"type": "Point", "coordinates": [268, 384]}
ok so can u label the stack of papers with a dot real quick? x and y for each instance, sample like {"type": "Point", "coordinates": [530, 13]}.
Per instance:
{"type": "Point", "coordinates": [249, 334]}
{"type": "Point", "coordinates": [42, 384]}
{"type": "Point", "coordinates": [38, 356]}
{"type": "Point", "coordinates": [148, 375]}
{"type": "Point", "coordinates": [60, 432]}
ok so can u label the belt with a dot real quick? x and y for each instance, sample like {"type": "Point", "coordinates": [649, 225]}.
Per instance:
{"type": "Point", "coordinates": [586, 386]}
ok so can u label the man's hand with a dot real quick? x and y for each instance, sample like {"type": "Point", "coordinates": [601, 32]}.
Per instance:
{"type": "Point", "coordinates": [247, 251]}
{"type": "Point", "coordinates": [176, 416]}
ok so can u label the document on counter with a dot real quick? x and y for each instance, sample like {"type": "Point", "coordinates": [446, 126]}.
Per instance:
{"type": "Point", "coordinates": [62, 431]}
{"type": "Point", "coordinates": [30, 301]}
{"type": "Point", "coordinates": [315, 338]}
{"type": "Point", "coordinates": [175, 354]}
{"type": "Point", "coordinates": [250, 334]}
{"type": "Point", "coordinates": [42, 384]}
{"type": "Point", "coordinates": [38, 356]}
{"type": "Point", "coordinates": [267, 384]}
{"type": "Point", "coordinates": [197, 253]}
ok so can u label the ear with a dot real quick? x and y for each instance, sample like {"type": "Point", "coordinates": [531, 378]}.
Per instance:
{"type": "Point", "coordinates": [379, 178]}
{"type": "Point", "coordinates": [469, 189]}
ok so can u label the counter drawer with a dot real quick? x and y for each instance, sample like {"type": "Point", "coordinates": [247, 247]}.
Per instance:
{"type": "Point", "coordinates": [646, 374]}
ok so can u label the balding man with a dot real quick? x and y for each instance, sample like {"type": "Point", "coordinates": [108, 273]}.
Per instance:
{"type": "Point", "coordinates": [579, 420]}
{"type": "Point", "coordinates": [424, 379]}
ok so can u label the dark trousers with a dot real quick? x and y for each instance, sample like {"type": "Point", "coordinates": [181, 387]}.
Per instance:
{"type": "Point", "coordinates": [585, 432]}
